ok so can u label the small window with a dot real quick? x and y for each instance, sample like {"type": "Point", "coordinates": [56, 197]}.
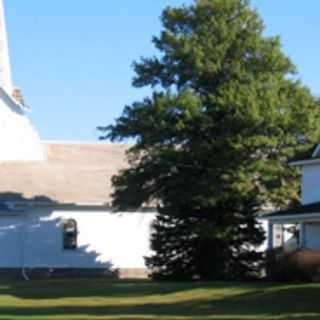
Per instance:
{"type": "Point", "coordinates": [70, 235]}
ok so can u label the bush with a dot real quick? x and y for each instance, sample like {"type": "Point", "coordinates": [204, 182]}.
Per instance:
{"type": "Point", "coordinates": [300, 266]}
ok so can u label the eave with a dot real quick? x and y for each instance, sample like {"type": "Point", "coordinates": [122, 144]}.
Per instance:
{"type": "Point", "coordinates": [308, 162]}
{"type": "Point", "coordinates": [304, 217]}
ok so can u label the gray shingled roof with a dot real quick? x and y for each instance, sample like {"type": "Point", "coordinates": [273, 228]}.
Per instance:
{"type": "Point", "coordinates": [307, 155]}
{"type": "Point", "coordinates": [298, 210]}
{"type": "Point", "coordinates": [72, 174]}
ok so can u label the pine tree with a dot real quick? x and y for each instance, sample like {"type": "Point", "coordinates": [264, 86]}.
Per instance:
{"type": "Point", "coordinates": [214, 138]}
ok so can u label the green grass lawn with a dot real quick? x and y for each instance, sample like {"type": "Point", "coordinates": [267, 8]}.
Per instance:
{"type": "Point", "coordinates": [134, 300]}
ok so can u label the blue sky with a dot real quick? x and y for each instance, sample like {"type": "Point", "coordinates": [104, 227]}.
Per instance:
{"type": "Point", "coordinates": [73, 58]}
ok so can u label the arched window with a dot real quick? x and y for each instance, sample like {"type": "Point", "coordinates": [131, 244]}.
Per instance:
{"type": "Point", "coordinates": [70, 235]}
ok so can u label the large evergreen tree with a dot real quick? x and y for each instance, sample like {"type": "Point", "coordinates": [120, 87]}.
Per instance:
{"type": "Point", "coordinates": [214, 138]}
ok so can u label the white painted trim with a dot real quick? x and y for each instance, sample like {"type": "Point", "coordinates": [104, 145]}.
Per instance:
{"type": "Point", "coordinates": [305, 162]}
{"type": "Point", "coordinates": [302, 237]}
{"type": "Point", "coordinates": [294, 217]}
{"type": "Point", "coordinates": [316, 151]}
{"type": "Point", "coordinates": [6, 77]}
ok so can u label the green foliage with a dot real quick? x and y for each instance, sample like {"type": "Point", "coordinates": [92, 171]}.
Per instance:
{"type": "Point", "coordinates": [214, 139]}
{"type": "Point", "coordinates": [215, 248]}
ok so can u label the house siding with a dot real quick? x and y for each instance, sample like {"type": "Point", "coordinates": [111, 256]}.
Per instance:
{"type": "Point", "coordinates": [310, 184]}
{"type": "Point", "coordinates": [312, 236]}
{"type": "Point", "coordinates": [18, 139]}
{"type": "Point", "coordinates": [105, 239]}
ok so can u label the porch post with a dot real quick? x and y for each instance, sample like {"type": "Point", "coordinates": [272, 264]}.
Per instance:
{"type": "Point", "coordinates": [302, 234]}
{"type": "Point", "coordinates": [270, 235]}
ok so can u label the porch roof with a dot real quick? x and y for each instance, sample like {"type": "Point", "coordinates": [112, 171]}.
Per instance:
{"type": "Point", "coordinates": [307, 155]}
{"type": "Point", "coordinates": [302, 212]}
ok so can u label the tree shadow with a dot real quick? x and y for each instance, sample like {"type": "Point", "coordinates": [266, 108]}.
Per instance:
{"type": "Point", "coordinates": [102, 288]}
{"type": "Point", "coordinates": [154, 300]}
{"type": "Point", "coordinates": [32, 238]}
{"type": "Point", "coordinates": [237, 307]}
{"type": "Point", "coordinates": [139, 298]}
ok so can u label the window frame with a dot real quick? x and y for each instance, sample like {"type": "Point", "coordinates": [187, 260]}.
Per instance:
{"type": "Point", "coordinates": [70, 237]}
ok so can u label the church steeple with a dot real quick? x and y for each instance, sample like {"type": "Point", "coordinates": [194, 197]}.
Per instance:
{"type": "Point", "coordinates": [5, 68]}
{"type": "Point", "coordinates": [19, 141]}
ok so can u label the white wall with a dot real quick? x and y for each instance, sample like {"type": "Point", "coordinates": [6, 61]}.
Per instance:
{"type": "Point", "coordinates": [36, 240]}
{"type": "Point", "coordinates": [311, 184]}
{"type": "Point", "coordinates": [312, 236]}
{"type": "Point", "coordinates": [18, 139]}
{"type": "Point", "coordinates": [10, 242]}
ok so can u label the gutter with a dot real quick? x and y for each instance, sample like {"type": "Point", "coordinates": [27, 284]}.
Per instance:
{"type": "Point", "coordinates": [293, 217]}
{"type": "Point", "coordinates": [305, 162]}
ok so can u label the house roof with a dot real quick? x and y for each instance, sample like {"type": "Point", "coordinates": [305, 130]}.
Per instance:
{"type": "Point", "coordinates": [312, 153]}
{"type": "Point", "coordinates": [307, 209]}
{"type": "Point", "coordinates": [72, 174]}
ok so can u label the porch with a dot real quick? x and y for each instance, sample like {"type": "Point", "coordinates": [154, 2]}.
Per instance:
{"type": "Point", "coordinates": [293, 251]}
{"type": "Point", "coordinates": [293, 231]}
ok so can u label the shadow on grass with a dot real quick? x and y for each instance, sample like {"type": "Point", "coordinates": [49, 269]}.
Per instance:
{"type": "Point", "coordinates": [222, 301]}
{"type": "Point", "coordinates": [177, 310]}
{"type": "Point", "coordinates": [53, 289]}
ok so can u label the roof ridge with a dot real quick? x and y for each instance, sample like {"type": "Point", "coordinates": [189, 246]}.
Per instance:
{"type": "Point", "coordinates": [75, 142]}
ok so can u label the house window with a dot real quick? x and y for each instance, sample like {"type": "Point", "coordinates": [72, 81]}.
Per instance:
{"type": "Point", "coordinates": [70, 235]}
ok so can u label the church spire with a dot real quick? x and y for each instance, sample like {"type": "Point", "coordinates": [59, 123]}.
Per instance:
{"type": "Point", "coordinates": [5, 68]}
{"type": "Point", "coordinates": [19, 141]}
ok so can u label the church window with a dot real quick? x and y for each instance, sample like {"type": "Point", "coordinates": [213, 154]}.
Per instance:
{"type": "Point", "coordinates": [70, 235]}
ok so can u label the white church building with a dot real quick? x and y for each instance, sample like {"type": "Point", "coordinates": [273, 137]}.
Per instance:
{"type": "Point", "coordinates": [54, 214]}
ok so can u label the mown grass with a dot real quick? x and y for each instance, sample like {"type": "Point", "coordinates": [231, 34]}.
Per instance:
{"type": "Point", "coordinates": [134, 300]}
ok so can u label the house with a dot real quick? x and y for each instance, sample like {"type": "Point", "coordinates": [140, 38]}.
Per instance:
{"type": "Point", "coordinates": [54, 214]}
{"type": "Point", "coordinates": [294, 234]}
